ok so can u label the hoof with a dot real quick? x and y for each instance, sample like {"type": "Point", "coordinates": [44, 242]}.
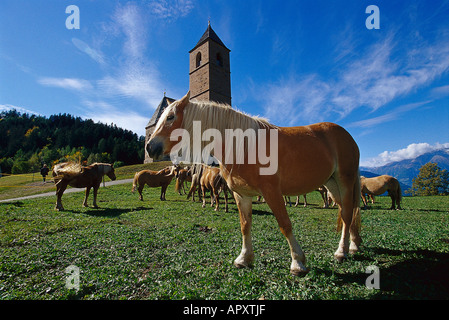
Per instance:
{"type": "Point", "coordinates": [340, 257]}
{"type": "Point", "coordinates": [299, 272]}
{"type": "Point", "coordinates": [353, 248]}
{"type": "Point", "coordinates": [241, 262]}
{"type": "Point", "coordinates": [240, 265]}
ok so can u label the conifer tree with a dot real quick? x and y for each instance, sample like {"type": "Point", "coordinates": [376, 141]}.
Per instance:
{"type": "Point", "coordinates": [431, 180]}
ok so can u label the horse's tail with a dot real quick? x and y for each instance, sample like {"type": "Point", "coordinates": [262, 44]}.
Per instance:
{"type": "Point", "coordinates": [356, 216]}
{"type": "Point", "coordinates": [136, 176]}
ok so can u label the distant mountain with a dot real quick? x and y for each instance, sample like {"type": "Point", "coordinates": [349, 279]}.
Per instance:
{"type": "Point", "coordinates": [406, 170]}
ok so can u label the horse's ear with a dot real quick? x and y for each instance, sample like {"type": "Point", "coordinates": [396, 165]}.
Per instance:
{"type": "Point", "coordinates": [184, 100]}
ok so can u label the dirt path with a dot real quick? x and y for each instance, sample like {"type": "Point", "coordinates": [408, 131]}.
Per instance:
{"type": "Point", "coordinates": [52, 193]}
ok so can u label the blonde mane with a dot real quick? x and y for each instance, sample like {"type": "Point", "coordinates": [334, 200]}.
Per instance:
{"type": "Point", "coordinates": [70, 168]}
{"type": "Point", "coordinates": [220, 116]}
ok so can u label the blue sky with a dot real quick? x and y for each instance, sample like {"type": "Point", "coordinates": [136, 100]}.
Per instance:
{"type": "Point", "coordinates": [294, 62]}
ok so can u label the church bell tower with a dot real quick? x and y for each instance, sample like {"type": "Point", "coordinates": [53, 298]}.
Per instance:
{"type": "Point", "coordinates": [209, 70]}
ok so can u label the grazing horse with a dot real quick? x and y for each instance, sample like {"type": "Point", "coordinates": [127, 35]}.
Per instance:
{"type": "Point", "coordinates": [197, 172]}
{"type": "Point", "coordinates": [182, 175]}
{"type": "Point", "coordinates": [301, 159]}
{"type": "Point", "coordinates": [212, 180]}
{"type": "Point", "coordinates": [75, 175]}
{"type": "Point", "coordinates": [153, 179]}
{"type": "Point", "coordinates": [378, 185]}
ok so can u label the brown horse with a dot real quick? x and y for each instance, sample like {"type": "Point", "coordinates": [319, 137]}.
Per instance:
{"type": "Point", "coordinates": [212, 180]}
{"type": "Point", "coordinates": [300, 160]}
{"type": "Point", "coordinates": [153, 179]}
{"type": "Point", "coordinates": [322, 190]}
{"type": "Point", "coordinates": [197, 172]}
{"type": "Point", "coordinates": [378, 185]}
{"type": "Point", "coordinates": [77, 176]}
{"type": "Point", "coordinates": [182, 175]}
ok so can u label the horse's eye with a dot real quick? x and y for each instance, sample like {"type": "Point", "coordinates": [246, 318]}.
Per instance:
{"type": "Point", "coordinates": [170, 117]}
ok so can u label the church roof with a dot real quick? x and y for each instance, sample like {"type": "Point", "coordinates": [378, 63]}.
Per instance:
{"type": "Point", "coordinates": [209, 34]}
{"type": "Point", "coordinates": [165, 102]}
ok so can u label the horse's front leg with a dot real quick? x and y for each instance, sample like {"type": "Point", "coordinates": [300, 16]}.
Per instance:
{"type": "Point", "coordinates": [140, 189]}
{"type": "Point", "coordinates": [276, 203]}
{"type": "Point", "coordinates": [203, 190]}
{"type": "Point", "coordinates": [246, 257]}
{"type": "Point", "coordinates": [217, 202]}
{"type": "Point", "coordinates": [60, 188]}
{"type": "Point", "coordinates": [86, 195]}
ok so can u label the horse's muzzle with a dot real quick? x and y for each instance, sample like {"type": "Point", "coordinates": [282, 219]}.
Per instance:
{"type": "Point", "coordinates": [155, 148]}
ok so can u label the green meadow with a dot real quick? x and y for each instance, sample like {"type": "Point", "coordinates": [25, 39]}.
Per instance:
{"type": "Point", "coordinates": [131, 249]}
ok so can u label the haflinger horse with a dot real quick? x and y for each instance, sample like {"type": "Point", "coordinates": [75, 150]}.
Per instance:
{"type": "Point", "coordinates": [212, 180]}
{"type": "Point", "coordinates": [182, 175]}
{"type": "Point", "coordinates": [153, 179]}
{"type": "Point", "coordinates": [304, 159]}
{"type": "Point", "coordinates": [197, 172]}
{"type": "Point", "coordinates": [378, 185]}
{"type": "Point", "coordinates": [73, 174]}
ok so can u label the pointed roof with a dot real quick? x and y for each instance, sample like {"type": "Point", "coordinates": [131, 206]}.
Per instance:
{"type": "Point", "coordinates": [209, 34]}
{"type": "Point", "coordinates": [165, 102]}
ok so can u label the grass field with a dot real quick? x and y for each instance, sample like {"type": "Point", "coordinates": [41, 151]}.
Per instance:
{"type": "Point", "coordinates": [128, 249]}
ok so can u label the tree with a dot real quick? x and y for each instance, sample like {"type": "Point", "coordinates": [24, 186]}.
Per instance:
{"type": "Point", "coordinates": [431, 180]}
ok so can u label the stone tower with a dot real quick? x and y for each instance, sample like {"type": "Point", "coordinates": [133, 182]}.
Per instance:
{"type": "Point", "coordinates": [209, 71]}
{"type": "Point", "coordinates": [210, 77]}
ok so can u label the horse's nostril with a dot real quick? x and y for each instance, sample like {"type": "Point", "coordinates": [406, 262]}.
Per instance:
{"type": "Point", "coordinates": [154, 148]}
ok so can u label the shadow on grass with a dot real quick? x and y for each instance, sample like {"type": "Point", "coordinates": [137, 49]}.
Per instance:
{"type": "Point", "coordinates": [13, 203]}
{"type": "Point", "coordinates": [422, 274]}
{"type": "Point", "coordinates": [103, 212]}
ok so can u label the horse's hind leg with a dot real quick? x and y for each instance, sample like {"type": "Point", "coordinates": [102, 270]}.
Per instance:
{"type": "Point", "coordinates": [225, 191]}
{"type": "Point", "coordinates": [95, 196]}
{"type": "Point", "coordinates": [163, 190]}
{"type": "Point", "coordinates": [391, 194]}
{"type": "Point", "coordinates": [345, 198]}
{"type": "Point", "coordinates": [86, 195]}
{"type": "Point", "coordinates": [276, 203]}
{"type": "Point", "coordinates": [246, 257]}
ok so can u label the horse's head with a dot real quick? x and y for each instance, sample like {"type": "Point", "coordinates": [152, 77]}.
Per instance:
{"type": "Point", "coordinates": [108, 170]}
{"type": "Point", "coordinates": [160, 145]}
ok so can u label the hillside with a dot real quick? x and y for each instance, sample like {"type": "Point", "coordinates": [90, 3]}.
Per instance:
{"type": "Point", "coordinates": [27, 141]}
{"type": "Point", "coordinates": [406, 170]}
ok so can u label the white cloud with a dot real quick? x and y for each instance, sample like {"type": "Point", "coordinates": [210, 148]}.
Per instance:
{"type": "Point", "coordinates": [390, 116]}
{"type": "Point", "coordinates": [441, 91]}
{"type": "Point", "coordinates": [8, 107]}
{"type": "Point", "coordinates": [410, 152]}
{"type": "Point", "coordinates": [372, 81]}
{"type": "Point", "coordinates": [129, 21]}
{"type": "Point", "coordinates": [84, 47]}
{"type": "Point", "coordinates": [171, 9]}
{"type": "Point", "coordinates": [65, 83]}
{"type": "Point", "coordinates": [107, 113]}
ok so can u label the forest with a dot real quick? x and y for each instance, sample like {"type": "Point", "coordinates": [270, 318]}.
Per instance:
{"type": "Point", "coordinates": [28, 141]}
